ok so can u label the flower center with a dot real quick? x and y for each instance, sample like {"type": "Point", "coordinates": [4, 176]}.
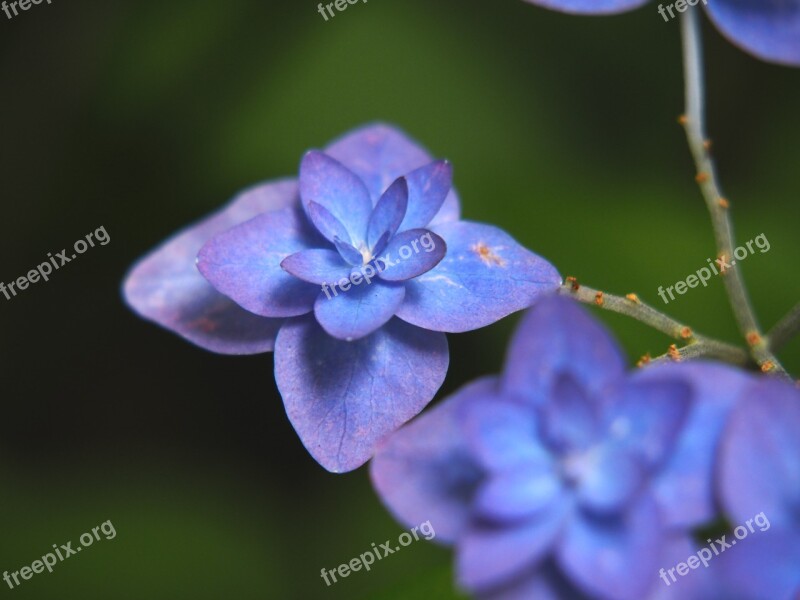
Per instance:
{"type": "Point", "coordinates": [574, 466]}
{"type": "Point", "coordinates": [366, 253]}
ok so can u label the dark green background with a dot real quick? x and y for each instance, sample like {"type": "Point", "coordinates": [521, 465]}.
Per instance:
{"type": "Point", "coordinates": [143, 116]}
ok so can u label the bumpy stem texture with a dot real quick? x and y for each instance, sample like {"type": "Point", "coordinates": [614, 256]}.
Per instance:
{"type": "Point", "coordinates": [631, 306]}
{"type": "Point", "coordinates": [718, 206]}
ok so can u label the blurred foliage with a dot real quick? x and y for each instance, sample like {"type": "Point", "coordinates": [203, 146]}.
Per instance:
{"type": "Point", "coordinates": [142, 117]}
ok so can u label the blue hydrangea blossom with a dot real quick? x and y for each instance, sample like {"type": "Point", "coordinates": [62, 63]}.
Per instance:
{"type": "Point", "coordinates": [352, 274]}
{"type": "Point", "coordinates": [767, 29]}
{"type": "Point", "coordinates": [760, 472]}
{"type": "Point", "coordinates": [757, 485]}
{"type": "Point", "coordinates": [565, 476]}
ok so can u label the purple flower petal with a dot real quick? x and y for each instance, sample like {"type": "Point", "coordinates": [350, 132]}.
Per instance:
{"type": "Point", "coordinates": [614, 557]}
{"type": "Point", "coordinates": [544, 582]}
{"type": "Point", "coordinates": [359, 310]}
{"type": "Point", "coordinates": [484, 277]}
{"type": "Point", "coordinates": [348, 253]}
{"type": "Point", "coordinates": [332, 185]}
{"type": "Point", "coordinates": [388, 213]}
{"type": "Point", "coordinates": [684, 486]}
{"type": "Point", "coordinates": [244, 263]}
{"type": "Point", "coordinates": [425, 470]}
{"type": "Point", "coordinates": [557, 336]}
{"type": "Point", "coordinates": [410, 254]}
{"type": "Point", "coordinates": [762, 565]}
{"type": "Point", "coordinates": [428, 187]}
{"type": "Point", "coordinates": [489, 555]}
{"type": "Point", "coordinates": [503, 434]}
{"type": "Point", "coordinates": [450, 211]}
{"type": "Point", "coordinates": [697, 584]}
{"type": "Point", "coordinates": [316, 265]}
{"type": "Point", "coordinates": [760, 455]}
{"type": "Point", "coordinates": [570, 418]}
{"type": "Point", "coordinates": [646, 416]}
{"type": "Point", "coordinates": [379, 154]}
{"type": "Point", "coordinates": [329, 226]}
{"type": "Point", "coordinates": [166, 287]}
{"type": "Point", "coordinates": [592, 7]}
{"type": "Point", "coordinates": [520, 494]}
{"type": "Point", "coordinates": [608, 477]}
{"type": "Point", "coordinates": [343, 398]}
{"type": "Point", "coordinates": [381, 244]}
{"type": "Point", "coordinates": [768, 29]}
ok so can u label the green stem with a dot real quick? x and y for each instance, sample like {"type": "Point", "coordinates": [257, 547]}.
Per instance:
{"type": "Point", "coordinates": [785, 330]}
{"type": "Point", "coordinates": [694, 123]}
{"type": "Point", "coordinates": [707, 349]}
{"type": "Point", "coordinates": [631, 306]}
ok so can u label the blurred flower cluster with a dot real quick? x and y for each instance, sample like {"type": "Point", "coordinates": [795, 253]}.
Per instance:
{"type": "Point", "coordinates": [567, 477]}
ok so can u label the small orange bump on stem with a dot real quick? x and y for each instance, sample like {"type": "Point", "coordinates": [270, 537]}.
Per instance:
{"type": "Point", "coordinates": [673, 352]}
{"type": "Point", "coordinates": [598, 299]}
{"type": "Point", "coordinates": [633, 298]}
{"type": "Point", "coordinates": [722, 261]}
{"type": "Point", "coordinates": [645, 360]}
{"type": "Point", "coordinates": [723, 203]}
{"type": "Point", "coordinates": [753, 339]}
{"type": "Point", "coordinates": [573, 282]}
{"type": "Point", "coordinates": [686, 333]}
{"type": "Point", "coordinates": [683, 120]}
{"type": "Point", "coordinates": [767, 366]}
{"type": "Point", "coordinates": [701, 177]}
{"type": "Point", "coordinates": [707, 145]}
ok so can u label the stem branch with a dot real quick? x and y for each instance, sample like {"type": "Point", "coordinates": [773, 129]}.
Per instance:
{"type": "Point", "coordinates": [694, 123]}
{"type": "Point", "coordinates": [785, 330]}
{"type": "Point", "coordinates": [630, 305]}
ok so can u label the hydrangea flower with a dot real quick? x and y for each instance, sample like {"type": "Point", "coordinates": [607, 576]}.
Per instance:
{"type": "Point", "coordinates": [760, 473]}
{"type": "Point", "coordinates": [757, 480]}
{"type": "Point", "coordinates": [563, 476]}
{"type": "Point", "coordinates": [768, 29]}
{"type": "Point", "coordinates": [352, 275]}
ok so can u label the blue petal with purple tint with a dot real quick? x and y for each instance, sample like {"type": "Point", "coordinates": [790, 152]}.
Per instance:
{"type": "Point", "coordinates": [336, 392]}
{"type": "Point", "coordinates": [410, 254]}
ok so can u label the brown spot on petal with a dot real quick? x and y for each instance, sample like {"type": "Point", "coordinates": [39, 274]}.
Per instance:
{"type": "Point", "coordinates": [487, 255]}
{"type": "Point", "coordinates": [205, 324]}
